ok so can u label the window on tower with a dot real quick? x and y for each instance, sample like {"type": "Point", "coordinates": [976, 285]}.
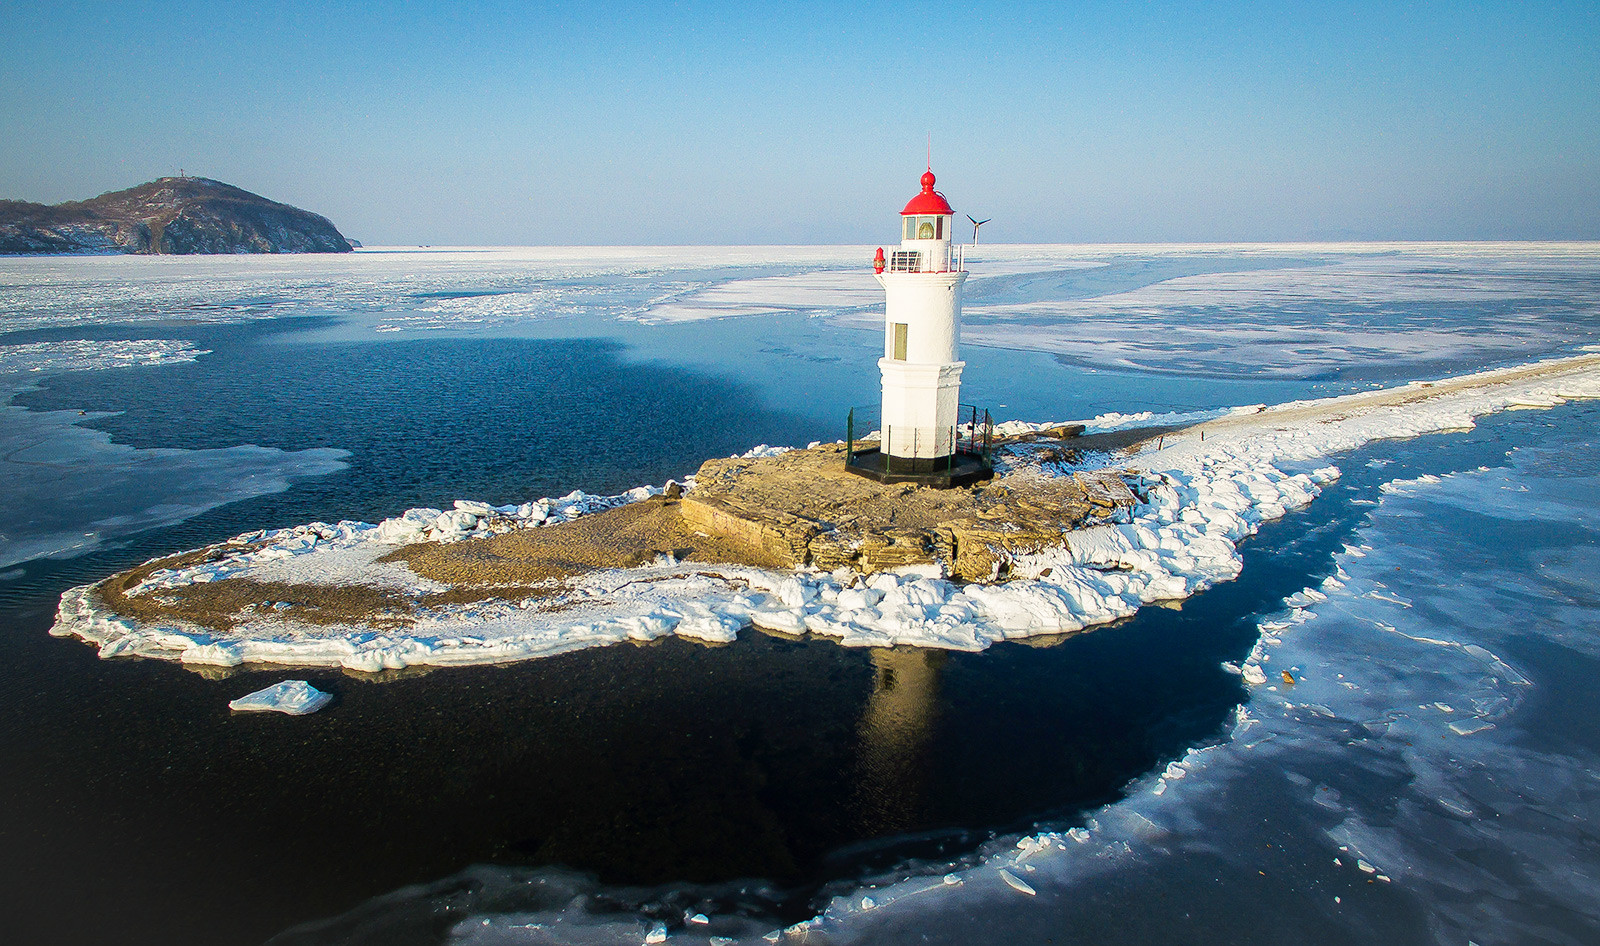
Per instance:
{"type": "Point", "coordinates": [911, 228]}
{"type": "Point", "coordinates": [938, 227]}
{"type": "Point", "coordinates": [900, 341]}
{"type": "Point", "coordinates": [925, 229]}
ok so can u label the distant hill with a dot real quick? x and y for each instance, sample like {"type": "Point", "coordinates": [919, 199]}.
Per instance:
{"type": "Point", "coordinates": [170, 215]}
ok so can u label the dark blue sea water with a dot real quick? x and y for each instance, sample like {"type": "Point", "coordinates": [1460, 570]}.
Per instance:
{"type": "Point", "coordinates": [756, 778]}
{"type": "Point", "coordinates": [644, 765]}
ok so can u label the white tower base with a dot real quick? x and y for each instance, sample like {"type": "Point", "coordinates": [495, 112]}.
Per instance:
{"type": "Point", "coordinates": [920, 403]}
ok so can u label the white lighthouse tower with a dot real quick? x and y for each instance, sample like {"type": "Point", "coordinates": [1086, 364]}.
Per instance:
{"type": "Point", "coordinates": [920, 422]}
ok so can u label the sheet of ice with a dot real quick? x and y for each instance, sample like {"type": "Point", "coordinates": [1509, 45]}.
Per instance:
{"type": "Point", "coordinates": [56, 475]}
{"type": "Point", "coordinates": [1405, 781]}
{"type": "Point", "coordinates": [1288, 310]}
{"type": "Point", "coordinates": [815, 293]}
{"type": "Point", "coordinates": [410, 288]}
{"type": "Point", "coordinates": [1199, 499]}
{"type": "Point", "coordinates": [87, 354]}
{"type": "Point", "coordinates": [1347, 312]}
{"type": "Point", "coordinates": [291, 697]}
{"type": "Point", "coordinates": [1116, 420]}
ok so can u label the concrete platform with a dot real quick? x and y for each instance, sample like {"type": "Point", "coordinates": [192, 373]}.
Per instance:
{"type": "Point", "coordinates": [962, 469]}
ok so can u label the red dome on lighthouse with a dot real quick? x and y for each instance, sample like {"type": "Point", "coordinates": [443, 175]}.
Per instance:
{"type": "Point", "coordinates": [929, 201]}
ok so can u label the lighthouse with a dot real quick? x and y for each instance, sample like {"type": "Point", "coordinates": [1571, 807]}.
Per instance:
{"type": "Point", "coordinates": [926, 434]}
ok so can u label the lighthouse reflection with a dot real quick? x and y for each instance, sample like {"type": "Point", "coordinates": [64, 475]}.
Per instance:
{"type": "Point", "coordinates": [895, 732]}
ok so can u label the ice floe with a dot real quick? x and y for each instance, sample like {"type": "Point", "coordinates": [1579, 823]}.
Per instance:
{"type": "Point", "coordinates": [85, 354]}
{"type": "Point", "coordinates": [65, 475]}
{"type": "Point", "coordinates": [850, 288]}
{"type": "Point", "coordinates": [293, 697]}
{"type": "Point", "coordinates": [406, 289]}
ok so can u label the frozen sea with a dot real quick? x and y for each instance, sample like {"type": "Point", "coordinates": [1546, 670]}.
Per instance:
{"type": "Point", "coordinates": [1430, 777]}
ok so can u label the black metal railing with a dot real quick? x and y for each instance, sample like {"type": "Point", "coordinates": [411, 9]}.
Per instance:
{"type": "Point", "coordinates": [973, 436]}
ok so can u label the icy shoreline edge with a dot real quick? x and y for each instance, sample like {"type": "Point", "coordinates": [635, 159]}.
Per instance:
{"type": "Point", "coordinates": [1202, 493]}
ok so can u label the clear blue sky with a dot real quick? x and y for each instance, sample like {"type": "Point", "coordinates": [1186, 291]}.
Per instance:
{"type": "Point", "coordinates": [612, 122]}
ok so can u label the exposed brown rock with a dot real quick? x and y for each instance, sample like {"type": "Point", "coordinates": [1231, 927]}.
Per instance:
{"type": "Point", "coordinates": [802, 507]}
{"type": "Point", "coordinates": [221, 605]}
{"type": "Point", "coordinates": [626, 536]}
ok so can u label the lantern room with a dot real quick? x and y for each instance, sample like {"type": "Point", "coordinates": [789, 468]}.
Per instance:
{"type": "Point", "coordinates": [926, 229]}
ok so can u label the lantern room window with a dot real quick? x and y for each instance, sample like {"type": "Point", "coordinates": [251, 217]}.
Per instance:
{"type": "Point", "coordinates": [925, 227]}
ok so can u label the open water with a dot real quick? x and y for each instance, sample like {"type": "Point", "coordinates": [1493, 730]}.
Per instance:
{"type": "Point", "coordinates": [759, 778]}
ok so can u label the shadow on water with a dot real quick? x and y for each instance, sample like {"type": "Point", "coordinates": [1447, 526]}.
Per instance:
{"type": "Point", "coordinates": [798, 761]}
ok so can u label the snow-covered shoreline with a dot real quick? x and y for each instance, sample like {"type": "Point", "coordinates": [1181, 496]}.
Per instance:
{"type": "Point", "coordinates": [1201, 497]}
{"type": "Point", "coordinates": [1388, 655]}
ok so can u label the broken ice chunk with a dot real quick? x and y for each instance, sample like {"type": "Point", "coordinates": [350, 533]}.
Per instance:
{"type": "Point", "coordinates": [294, 697]}
{"type": "Point", "coordinates": [1016, 883]}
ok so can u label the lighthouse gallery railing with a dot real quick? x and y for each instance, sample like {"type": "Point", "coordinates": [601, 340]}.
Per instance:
{"type": "Point", "coordinates": [916, 261]}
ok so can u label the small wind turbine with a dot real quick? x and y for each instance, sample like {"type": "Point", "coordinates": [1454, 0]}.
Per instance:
{"type": "Point", "coordinates": [975, 225]}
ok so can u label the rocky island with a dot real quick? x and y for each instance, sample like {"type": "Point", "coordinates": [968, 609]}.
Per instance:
{"type": "Point", "coordinates": [791, 509]}
{"type": "Point", "coordinates": [1073, 531]}
{"type": "Point", "coordinates": [172, 215]}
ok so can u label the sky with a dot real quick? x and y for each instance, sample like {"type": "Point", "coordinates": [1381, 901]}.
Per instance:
{"type": "Point", "coordinates": [756, 123]}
